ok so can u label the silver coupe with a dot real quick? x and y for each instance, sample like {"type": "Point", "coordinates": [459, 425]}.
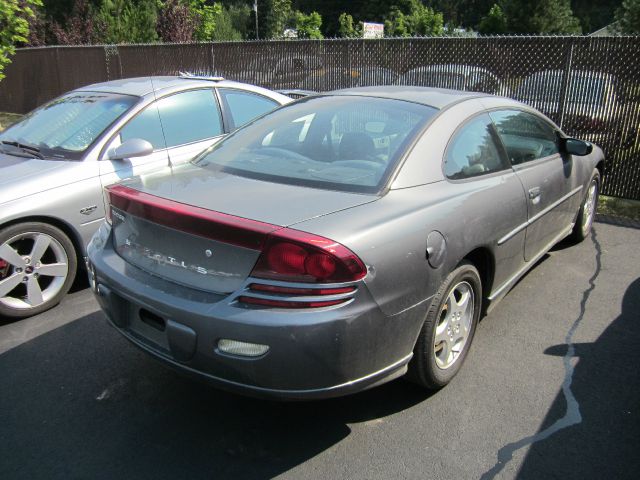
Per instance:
{"type": "Point", "coordinates": [342, 240]}
{"type": "Point", "coordinates": [55, 162]}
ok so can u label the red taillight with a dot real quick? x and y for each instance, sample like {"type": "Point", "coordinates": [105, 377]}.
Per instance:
{"type": "Point", "coordinates": [297, 256]}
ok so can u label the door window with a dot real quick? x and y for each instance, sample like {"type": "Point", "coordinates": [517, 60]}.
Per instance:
{"type": "Point", "coordinates": [244, 107]}
{"type": "Point", "coordinates": [146, 125]}
{"type": "Point", "coordinates": [526, 137]}
{"type": "Point", "coordinates": [473, 151]}
{"type": "Point", "coordinates": [190, 117]}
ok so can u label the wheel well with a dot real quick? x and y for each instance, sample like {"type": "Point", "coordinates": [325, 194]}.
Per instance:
{"type": "Point", "coordinates": [65, 227]}
{"type": "Point", "coordinates": [483, 260]}
{"type": "Point", "coordinates": [600, 168]}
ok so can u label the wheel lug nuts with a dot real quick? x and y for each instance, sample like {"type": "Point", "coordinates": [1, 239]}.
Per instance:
{"type": "Point", "coordinates": [18, 270]}
{"type": "Point", "coordinates": [27, 260]}
{"type": "Point", "coordinates": [25, 279]}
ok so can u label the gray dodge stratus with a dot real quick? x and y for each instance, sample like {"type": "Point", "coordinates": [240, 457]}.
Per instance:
{"type": "Point", "coordinates": [341, 241]}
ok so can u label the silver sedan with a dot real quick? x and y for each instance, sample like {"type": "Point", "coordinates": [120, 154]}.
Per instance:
{"type": "Point", "coordinates": [342, 240]}
{"type": "Point", "coordinates": [55, 162]}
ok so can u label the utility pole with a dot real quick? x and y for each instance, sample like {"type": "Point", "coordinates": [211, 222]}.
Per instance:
{"type": "Point", "coordinates": [255, 9]}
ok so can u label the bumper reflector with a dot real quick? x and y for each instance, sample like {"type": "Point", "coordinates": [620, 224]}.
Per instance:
{"type": "Point", "coordinates": [244, 349]}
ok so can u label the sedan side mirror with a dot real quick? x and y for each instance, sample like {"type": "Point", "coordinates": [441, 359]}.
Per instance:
{"type": "Point", "coordinates": [573, 146]}
{"type": "Point", "coordinates": [134, 147]}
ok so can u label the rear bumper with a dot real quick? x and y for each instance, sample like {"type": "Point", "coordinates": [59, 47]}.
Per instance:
{"type": "Point", "coordinates": [313, 353]}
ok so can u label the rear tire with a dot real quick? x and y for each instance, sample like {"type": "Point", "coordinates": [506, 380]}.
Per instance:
{"type": "Point", "coordinates": [448, 329]}
{"type": "Point", "coordinates": [587, 212]}
{"type": "Point", "coordinates": [38, 264]}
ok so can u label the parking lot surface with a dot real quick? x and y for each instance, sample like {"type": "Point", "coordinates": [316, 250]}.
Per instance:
{"type": "Point", "coordinates": [551, 389]}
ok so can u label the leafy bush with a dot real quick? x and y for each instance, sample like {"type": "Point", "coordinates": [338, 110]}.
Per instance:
{"type": "Point", "coordinates": [14, 27]}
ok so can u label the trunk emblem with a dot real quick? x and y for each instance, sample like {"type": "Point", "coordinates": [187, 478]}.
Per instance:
{"type": "Point", "coordinates": [208, 253]}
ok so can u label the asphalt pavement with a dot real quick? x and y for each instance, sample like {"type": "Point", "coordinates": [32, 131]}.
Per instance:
{"type": "Point", "coordinates": [551, 389]}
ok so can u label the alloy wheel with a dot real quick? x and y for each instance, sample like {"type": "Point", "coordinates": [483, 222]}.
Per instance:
{"type": "Point", "coordinates": [454, 325]}
{"type": "Point", "coordinates": [33, 269]}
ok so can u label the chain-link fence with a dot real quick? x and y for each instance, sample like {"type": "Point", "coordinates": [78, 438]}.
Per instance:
{"type": "Point", "coordinates": [589, 85]}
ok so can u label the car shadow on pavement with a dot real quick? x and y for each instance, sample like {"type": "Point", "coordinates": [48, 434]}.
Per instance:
{"type": "Point", "coordinates": [606, 385]}
{"type": "Point", "coordinates": [81, 402]}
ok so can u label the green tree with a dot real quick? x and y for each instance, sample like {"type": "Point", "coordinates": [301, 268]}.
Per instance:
{"type": "Point", "coordinates": [124, 21]}
{"type": "Point", "coordinates": [495, 22]}
{"type": "Point", "coordinates": [346, 27]}
{"type": "Point", "coordinates": [273, 17]}
{"type": "Point", "coordinates": [416, 19]}
{"type": "Point", "coordinates": [628, 17]}
{"type": "Point", "coordinates": [594, 14]}
{"type": "Point", "coordinates": [307, 26]}
{"type": "Point", "coordinates": [231, 22]}
{"type": "Point", "coordinates": [14, 27]}
{"type": "Point", "coordinates": [541, 16]}
{"type": "Point", "coordinates": [205, 15]}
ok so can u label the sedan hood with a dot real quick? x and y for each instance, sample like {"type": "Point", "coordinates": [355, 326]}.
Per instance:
{"type": "Point", "coordinates": [21, 177]}
{"type": "Point", "coordinates": [273, 203]}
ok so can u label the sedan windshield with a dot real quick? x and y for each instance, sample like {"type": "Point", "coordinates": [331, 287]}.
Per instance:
{"type": "Point", "coordinates": [68, 125]}
{"type": "Point", "coordinates": [349, 143]}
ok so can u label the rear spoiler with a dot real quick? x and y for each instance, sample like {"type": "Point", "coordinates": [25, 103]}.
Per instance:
{"type": "Point", "coordinates": [296, 93]}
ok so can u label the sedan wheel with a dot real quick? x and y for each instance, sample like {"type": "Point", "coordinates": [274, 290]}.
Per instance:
{"type": "Point", "coordinates": [37, 266]}
{"type": "Point", "coordinates": [448, 329]}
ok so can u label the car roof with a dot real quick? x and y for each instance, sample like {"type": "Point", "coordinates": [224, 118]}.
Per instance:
{"type": "Point", "coordinates": [434, 97]}
{"type": "Point", "coordinates": [141, 86]}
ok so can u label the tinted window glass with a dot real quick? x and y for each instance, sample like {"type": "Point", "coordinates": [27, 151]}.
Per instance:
{"type": "Point", "coordinates": [190, 117]}
{"type": "Point", "coordinates": [473, 150]}
{"type": "Point", "coordinates": [244, 107]}
{"type": "Point", "coordinates": [345, 143]}
{"type": "Point", "coordinates": [525, 136]}
{"type": "Point", "coordinates": [145, 125]}
{"type": "Point", "coordinates": [69, 124]}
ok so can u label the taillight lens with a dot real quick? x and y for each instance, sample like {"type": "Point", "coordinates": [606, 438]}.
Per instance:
{"type": "Point", "coordinates": [297, 256]}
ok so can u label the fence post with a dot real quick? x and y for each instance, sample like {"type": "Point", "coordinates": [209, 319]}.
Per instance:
{"type": "Point", "coordinates": [566, 82]}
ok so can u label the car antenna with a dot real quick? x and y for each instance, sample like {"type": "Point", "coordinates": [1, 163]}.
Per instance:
{"type": "Point", "coordinates": [155, 101]}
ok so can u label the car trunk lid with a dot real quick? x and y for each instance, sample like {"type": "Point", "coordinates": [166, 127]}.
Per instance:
{"type": "Point", "coordinates": [204, 248]}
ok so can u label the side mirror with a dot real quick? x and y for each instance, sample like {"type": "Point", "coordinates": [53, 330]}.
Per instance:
{"type": "Point", "coordinates": [134, 147]}
{"type": "Point", "coordinates": [573, 146]}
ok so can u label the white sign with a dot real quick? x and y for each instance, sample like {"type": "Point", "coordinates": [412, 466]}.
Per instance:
{"type": "Point", "coordinates": [372, 30]}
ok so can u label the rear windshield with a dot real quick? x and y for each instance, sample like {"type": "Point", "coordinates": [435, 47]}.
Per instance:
{"type": "Point", "coordinates": [68, 125]}
{"type": "Point", "coordinates": [347, 143]}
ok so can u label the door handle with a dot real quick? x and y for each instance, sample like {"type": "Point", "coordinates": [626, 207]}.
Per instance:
{"type": "Point", "coordinates": [534, 193]}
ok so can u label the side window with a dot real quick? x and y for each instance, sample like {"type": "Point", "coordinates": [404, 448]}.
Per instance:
{"type": "Point", "coordinates": [473, 151]}
{"type": "Point", "coordinates": [525, 136]}
{"type": "Point", "coordinates": [244, 106]}
{"type": "Point", "coordinates": [190, 117]}
{"type": "Point", "coordinates": [145, 125]}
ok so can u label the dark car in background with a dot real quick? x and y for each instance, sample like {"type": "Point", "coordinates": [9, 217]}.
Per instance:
{"type": "Point", "coordinates": [455, 76]}
{"type": "Point", "coordinates": [590, 105]}
{"type": "Point", "coordinates": [279, 73]}
{"type": "Point", "coordinates": [341, 241]}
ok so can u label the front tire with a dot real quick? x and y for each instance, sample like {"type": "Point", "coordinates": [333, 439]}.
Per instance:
{"type": "Point", "coordinates": [37, 267]}
{"type": "Point", "coordinates": [448, 329]}
{"type": "Point", "coordinates": [587, 212]}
